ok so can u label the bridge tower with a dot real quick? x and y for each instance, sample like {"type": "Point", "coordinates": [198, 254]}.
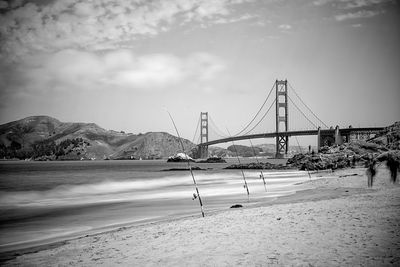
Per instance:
{"type": "Point", "coordinates": [282, 118]}
{"type": "Point", "coordinates": [203, 153]}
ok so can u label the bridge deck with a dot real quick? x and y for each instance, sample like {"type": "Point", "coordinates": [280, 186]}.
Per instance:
{"type": "Point", "coordinates": [344, 131]}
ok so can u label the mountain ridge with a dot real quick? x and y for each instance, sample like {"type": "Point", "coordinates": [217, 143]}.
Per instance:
{"type": "Point", "coordinates": [23, 138]}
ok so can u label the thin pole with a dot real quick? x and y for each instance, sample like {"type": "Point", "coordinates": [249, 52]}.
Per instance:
{"type": "Point", "coordinates": [262, 174]}
{"type": "Point", "coordinates": [241, 169]}
{"type": "Point", "coordinates": [188, 163]}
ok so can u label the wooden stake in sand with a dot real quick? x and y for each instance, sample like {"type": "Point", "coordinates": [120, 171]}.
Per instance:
{"type": "Point", "coordinates": [262, 174]}
{"type": "Point", "coordinates": [241, 169]}
{"type": "Point", "coordinates": [188, 163]}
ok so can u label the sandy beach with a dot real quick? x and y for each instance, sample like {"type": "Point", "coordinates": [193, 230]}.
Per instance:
{"type": "Point", "coordinates": [340, 222]}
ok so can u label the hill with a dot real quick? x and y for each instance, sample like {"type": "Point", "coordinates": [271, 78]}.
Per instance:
{"type": "Point", "coordinates": [261, 150]}
{"type": "Point", "coordinates": [46, 138]}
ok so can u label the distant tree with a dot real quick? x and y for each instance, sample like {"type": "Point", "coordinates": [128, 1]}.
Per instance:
{"type": "Point", "coordinates": [21, 131]}
{"type": "Point", "coordinates": [3, 151]}
{"type": "Point", "coordinates": [15, 145]}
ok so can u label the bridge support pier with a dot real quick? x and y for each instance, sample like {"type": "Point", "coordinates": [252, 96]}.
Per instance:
{"type": "Point", "coordinates": [282, 144]}
{"type": "Point", "coordinates": [326, 138]}
{"type": "Point", "coordinates": [281, 106]}
{"type": "Point", "coordinates": [330, 137]}
{"type": "Point", "coordinates": [338, 137]}
{"type": "Point", "coordinates": [202, 152]}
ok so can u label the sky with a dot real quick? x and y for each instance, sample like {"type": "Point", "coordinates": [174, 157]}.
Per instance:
{"type": "Point", "coordinates": [124, 64]}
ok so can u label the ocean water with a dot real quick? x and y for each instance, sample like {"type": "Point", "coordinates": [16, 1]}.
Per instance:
{"type": "Point", "coordinates": [42, 202]}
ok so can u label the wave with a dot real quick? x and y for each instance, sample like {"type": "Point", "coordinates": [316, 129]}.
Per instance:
{"type": "Point", "coordinates": [168, 187]}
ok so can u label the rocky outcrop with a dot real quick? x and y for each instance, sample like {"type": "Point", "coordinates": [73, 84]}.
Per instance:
{"type": "Point", "coordinates": [337, 157]}
{"type": "Point", "coordinates": [212, 160]}
{"type": "Point", "coordinates": [260, 165]}
{"type": "Point", "coordinates": [180, 157]}
{"type": "Point", "coordinates": [390, 138]}
{"type": "Point", "coordinates": [379, 148]}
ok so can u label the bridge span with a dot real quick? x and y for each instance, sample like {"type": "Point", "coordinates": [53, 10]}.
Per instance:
{"type": "Point", "coordinates": [326, 136]}
{"type": "Point", "coordinates": [322, 132]}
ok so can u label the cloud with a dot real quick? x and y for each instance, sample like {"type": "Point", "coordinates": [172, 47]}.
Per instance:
{"type": "Point", "coordinates": [146, 72]}
{"type": "Point", "coordinates": [357, 15]}
{"type": "Point", "coordinates": [235, 19]}
{"type": "Point", "coordinates": [3, 4]}
{"type": "Point", "coordinates": [119, 69]}
{"type": "Point", "coordinates": [285, 27]}
{"type": "Point", "coordinates": [321, 2]}
{"type": "Point", "coordinates": [350, 4]}
{"type": "Point", "coordinates": [97, 25]}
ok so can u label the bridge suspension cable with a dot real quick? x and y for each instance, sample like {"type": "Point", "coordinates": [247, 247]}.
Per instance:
{"type": "Point", "coordinates": [257, 119]}
{"type": "Point", "coordinates": [302, 112]}
{"type": "Point", "coordinates": [262, 118]}
{"type": "Point", "coordinates": [258, 112]}
{"type": "Point", "coordinates": [217, 131]}
{"type": "Point", "coordinates": [197, 129]}
{"type": "Point", "coordinates": [294, 91]}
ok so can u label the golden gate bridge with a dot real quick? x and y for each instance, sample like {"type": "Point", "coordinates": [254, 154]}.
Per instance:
{"type": "Point", "coordinates": [284, 96]}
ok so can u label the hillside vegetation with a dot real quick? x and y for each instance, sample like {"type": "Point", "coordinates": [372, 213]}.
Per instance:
{"type": "Point", "coordinates": [46, 138]}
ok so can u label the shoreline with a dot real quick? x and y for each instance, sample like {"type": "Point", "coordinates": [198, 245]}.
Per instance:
{"type": "Point", "coordinates": [346, 183]}
{"type": "Point", "coordinates": [34, 246]}
{"type": "Point", "coordinates": [73, 233]}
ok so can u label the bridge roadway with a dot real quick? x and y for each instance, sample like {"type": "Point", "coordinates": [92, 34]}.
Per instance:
{"type": "Point", "coordinates": [344, 131]}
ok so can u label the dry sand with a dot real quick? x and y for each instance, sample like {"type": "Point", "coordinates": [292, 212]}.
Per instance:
{"type": "Point", "coordinates": [339, 223]}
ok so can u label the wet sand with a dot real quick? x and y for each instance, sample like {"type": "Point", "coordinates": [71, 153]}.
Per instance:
{"type": "Point", "coordinates": [338, 223]}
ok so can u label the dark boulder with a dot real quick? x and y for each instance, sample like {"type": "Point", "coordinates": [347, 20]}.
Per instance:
{"type": "Point", "coordinates": [213, 160]}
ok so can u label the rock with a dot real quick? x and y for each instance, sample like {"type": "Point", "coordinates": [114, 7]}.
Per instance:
{"type": "Point", "coordinates": [180, 157]}
{"type": "Point", "coordinates": [212, 160]}
{"type": "Point", "coordinates": [236, 206]}
{"type": "Point", "coordinates": [195, 168]}
{"type": "Point", "coordinates": [390, 138]}
{"type": "Point", "coordinates": [385, 155]}
{"type": "Point", "coordinates": [337, 157]}
{"type": "Point", "coordinates": [259, 165]}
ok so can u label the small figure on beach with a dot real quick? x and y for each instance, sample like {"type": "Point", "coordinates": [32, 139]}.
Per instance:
{"type": "Point", "coordinates": [353, 162]}
{"type": "Point", "coordinates": [371, 171]}
{"type": "Point", "coordinates": [393, 166]}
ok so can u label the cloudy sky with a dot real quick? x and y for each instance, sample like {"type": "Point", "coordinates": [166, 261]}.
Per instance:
{"type": "Point", "coordinates": [120, 64]}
